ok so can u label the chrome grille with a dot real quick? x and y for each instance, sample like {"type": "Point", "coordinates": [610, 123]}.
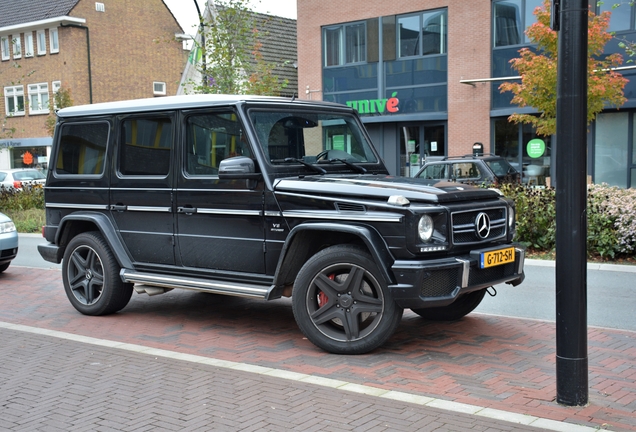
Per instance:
{"type": "Point", "coordinates": [464, 231]}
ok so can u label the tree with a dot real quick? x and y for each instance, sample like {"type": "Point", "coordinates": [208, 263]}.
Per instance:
{"type": "Point", "coordinates": [234, 63]}
{"type": "Point", "coordinates": [62, 98]}
{"type": "Point", "coordinates": [538, 72]}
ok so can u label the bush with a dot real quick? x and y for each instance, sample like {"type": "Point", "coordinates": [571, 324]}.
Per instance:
{"type": "Point", "coordinates": [25, 207]}
{"type": "Point", "coordinates": [611, 219]}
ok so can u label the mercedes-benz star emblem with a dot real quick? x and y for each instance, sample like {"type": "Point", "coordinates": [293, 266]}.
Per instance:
{"type": "Point", "coordinates": [482, 225]}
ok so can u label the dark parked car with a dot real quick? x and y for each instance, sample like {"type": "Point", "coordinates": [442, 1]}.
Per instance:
{"type": "Point", "coordinates": [483, 169]}
{"type": "Point", "coordinates": [264, 198]}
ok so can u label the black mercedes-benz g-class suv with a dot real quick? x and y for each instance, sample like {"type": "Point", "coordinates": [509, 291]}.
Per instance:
{"type": "Point", "coordinates": [263, 198]}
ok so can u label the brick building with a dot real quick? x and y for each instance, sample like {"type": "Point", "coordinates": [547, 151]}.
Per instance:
{"type": "Point", "coordinates": [100, 51]}
{"type": "Point", "coordinates": [424, 74]}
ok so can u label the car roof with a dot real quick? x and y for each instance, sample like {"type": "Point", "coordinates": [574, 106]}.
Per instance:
{"type": "Point", "coordinates": [179, 102]}
{"type": "Point", "coordinates": [12, 170]}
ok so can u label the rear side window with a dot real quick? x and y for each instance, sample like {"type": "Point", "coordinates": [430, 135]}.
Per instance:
{"type": "Point", "coordinates": [145, 147]}
{"type": "Point", "coordinates": [82, 149]}
{"type": "Point", "coordinates": [466, 170]}
{"type": "Point", "coordinates": [436, 172]}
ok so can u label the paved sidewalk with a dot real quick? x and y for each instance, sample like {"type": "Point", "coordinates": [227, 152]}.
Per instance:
{"type": "Point", "coordinates": [502, 364]}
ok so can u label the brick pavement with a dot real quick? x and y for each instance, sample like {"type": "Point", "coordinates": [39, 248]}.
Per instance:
{"type": "Point", "coordinates": [494, 362]}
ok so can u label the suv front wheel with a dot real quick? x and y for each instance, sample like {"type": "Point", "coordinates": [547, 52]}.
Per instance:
{"type": "Point", "coordinates": [91, 276]}
{"type": "Point", "coordinates": [341, 302]}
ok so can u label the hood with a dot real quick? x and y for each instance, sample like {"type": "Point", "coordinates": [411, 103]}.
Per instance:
{"type": "Point", "coordinates": [384, 186]}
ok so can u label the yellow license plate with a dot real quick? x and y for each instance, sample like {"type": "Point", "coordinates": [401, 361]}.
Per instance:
{"type": "Point", "coordinates": [497, 257]}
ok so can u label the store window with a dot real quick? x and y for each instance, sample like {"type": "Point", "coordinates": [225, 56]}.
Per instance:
{"type": "Point", "coordinates": [614, 153]}
{"type": "Point", "coordinates": [527, 152]}
{"type": "Point", "coordinates": [418, 142]}
{"type": "Point", "coordinates": [422, 34]}
{"type": "Point", "coordinates": [345, 44]}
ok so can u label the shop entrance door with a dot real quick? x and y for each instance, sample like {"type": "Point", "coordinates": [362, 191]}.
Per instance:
{"type": "Point", "coordinates": [417, 142]}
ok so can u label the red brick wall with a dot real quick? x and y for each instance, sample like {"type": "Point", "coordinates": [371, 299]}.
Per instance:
{"type": "Point", "coordinates": [469, 55]}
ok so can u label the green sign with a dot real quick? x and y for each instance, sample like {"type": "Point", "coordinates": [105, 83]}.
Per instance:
{"type": "Point", "coordinates": [536, 148]}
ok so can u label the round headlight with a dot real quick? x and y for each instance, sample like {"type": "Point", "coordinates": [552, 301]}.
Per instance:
{"type": "Point", "coordinates": [425, 228]}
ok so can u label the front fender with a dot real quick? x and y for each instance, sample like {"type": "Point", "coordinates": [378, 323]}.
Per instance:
{"type": "Point", "coordinates": [288, 267]}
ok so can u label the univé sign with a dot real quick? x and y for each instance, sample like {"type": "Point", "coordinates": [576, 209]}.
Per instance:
{"type": "Point", "coordinates": [376, 106]}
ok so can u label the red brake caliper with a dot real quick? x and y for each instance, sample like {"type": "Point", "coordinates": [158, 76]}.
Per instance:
{"type": "Point", "coordinates": [322, 297]}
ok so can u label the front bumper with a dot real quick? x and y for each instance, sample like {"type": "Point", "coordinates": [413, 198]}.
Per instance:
{"type": "Point", "coordinates": [431, 283]}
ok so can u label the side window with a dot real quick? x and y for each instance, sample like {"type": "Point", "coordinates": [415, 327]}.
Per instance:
{"type": "Point", "coordinates": [210, 138]}
{"type": "Point", "coordinates": [465, 170]}
{"type": "Point", "coordinates": [145, 146]}
{"type": "Point", "coordinates": [82, 149]}
{"type": "Point", "coordinates": [437, 172]}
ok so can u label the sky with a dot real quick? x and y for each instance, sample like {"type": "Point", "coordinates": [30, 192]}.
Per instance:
{"type": "Point", "coordinates": [186, 13]}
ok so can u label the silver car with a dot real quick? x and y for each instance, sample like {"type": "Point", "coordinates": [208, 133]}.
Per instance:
{"type": "Point", "coordinates": [18, 177]}
{"type": "Point", "coordinates": [8, 242]}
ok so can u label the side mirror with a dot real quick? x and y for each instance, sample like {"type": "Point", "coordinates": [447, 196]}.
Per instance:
{"type": "Point", "coordinates": [238, 167]}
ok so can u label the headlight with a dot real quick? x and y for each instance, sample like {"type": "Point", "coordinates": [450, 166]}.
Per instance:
{"type": "Point", "coordinates": [6, 227]}
{"type": "Point", "coordinates": [511, 217]}
{"type": "Point", "coordinates": [425, 228]}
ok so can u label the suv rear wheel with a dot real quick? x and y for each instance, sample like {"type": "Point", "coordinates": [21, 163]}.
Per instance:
{"type": "Point", "coordinates": [341, 302]}
{"type": "Point", "coordinates": [91, 276]}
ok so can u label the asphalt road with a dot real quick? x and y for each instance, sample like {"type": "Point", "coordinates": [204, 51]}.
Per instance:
{"type": "Point", "coordinates": [611, 290]}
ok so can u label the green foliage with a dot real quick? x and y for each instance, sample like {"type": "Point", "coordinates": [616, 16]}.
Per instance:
{"type": "Point", "coordinates": [25, 207]}
{"type": "Point", "coordinates": [231, 60]}
{"type": "Point", "coordinates": [611, 219]}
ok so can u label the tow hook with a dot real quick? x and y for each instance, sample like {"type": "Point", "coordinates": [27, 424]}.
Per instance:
{"type": "Point", "coordinates": [491, 291]}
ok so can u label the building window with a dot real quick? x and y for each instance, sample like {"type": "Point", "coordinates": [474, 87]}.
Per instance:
{"type": "Point", "coordinates": [39, 98]}
{"type": "Point", "coordinates": [41, 42]}
{"type": "Point", "coordinates": [622, 18]}
{"type": "Point", "coordinates": [422, 34]}
{"type": "Point", "coordinates": [14, 100]}
{"type": "Point", "coordinates": [4, 47]}
{"type": "Point", "coordinates": [54, 40]}
{"type": "Point", "coordinates": [345, 44]}
{"type": "Point", "coordinates": [28, 44]}
{"type": "Point", "coordinates": [615, 149]}
{"type": "Point", "coordinates": [511, 18]}
{"type": "Point", "coordinates": [17, 46]}
{"type": "Point", "coordinates": [159, 88]}
{"type": "Point", "coordinates": [55, 87]}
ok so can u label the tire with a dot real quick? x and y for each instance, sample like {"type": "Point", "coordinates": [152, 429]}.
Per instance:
{"type": "Point", "coordinates": [454, 311]}
{"type": "Point", "coordinates": [4, 266]}
{"type": "Point", "coordinates": [342, 303]}
{"type": "Point", "coordinates": [91, 279]}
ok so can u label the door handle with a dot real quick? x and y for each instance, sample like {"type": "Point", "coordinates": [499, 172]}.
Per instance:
{"type": "Point", "coordinates": [119, 207]}
{"type": "Point", "coordinates": [187, 210]}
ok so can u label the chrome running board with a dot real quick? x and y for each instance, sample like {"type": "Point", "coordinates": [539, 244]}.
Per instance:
{"type": "Point", "coordinates": [147, 280]}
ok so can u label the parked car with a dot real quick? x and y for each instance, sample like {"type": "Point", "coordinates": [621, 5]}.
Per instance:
{"type": "Point", "coordinates": [19, 177]}
{"type": "Point", "coordinates": [264, 198]}
{"type": "Point", "coordinates": [8, 242]}
{"type": "Point", "coordinates": [488, 169]}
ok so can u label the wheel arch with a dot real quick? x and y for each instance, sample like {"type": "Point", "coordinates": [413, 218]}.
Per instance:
{"type": "Point", "coordinates": [80, 222]}
{"type": "Point", "coordinates": [306, 240]}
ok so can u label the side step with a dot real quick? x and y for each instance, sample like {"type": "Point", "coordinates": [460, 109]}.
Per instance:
{"type": "Point", "coordinates": [150, 280]}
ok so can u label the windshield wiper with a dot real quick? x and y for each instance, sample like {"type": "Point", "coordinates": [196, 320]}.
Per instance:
{"type": "Point", "coordinates": [302, 162]}
{"type": "Point", "coordinates": [358, 168]}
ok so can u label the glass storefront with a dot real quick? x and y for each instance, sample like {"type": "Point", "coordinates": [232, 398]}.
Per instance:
{"type": "Point", "coordinates": [417, 142]}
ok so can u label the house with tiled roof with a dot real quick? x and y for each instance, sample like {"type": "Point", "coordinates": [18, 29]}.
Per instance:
{"type": "Point", "coordinates": [277, 36]}
{"type": "Point", "coordinates": [99, 51]}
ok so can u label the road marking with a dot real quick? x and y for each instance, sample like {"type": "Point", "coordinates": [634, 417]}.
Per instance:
{"type": "Point", "coordinates": [309, 379]}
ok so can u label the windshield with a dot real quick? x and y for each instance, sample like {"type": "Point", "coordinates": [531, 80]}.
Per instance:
{"type": "Point", "coordinates": [310, 137]}
{"type": "Point", "coordinates": [500, 167]}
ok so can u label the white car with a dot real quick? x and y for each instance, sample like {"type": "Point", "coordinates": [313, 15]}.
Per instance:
{"type": "Point", "coordinates": [8, 242]}
{"type": "Point", "coordinates": [16, 178]}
